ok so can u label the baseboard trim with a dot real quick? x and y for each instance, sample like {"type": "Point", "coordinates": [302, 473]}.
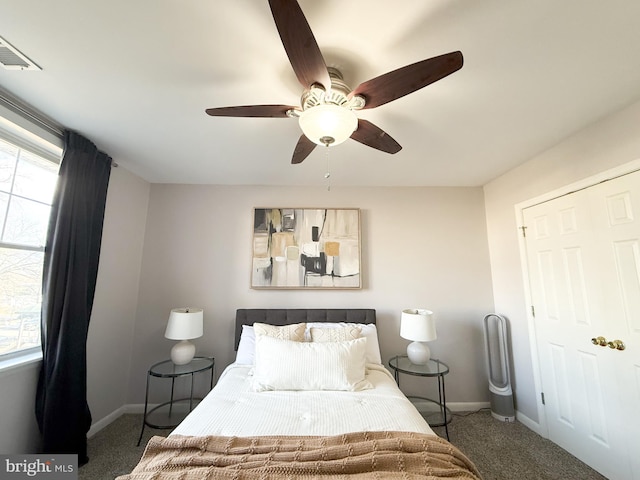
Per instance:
{"type": "Point", "coordinates": [103, 422]}
{"type": "Point", "coordinates": [475, 406]}
{"type": "Point", "coordinates": [113, 416]}
{"type": "Point", "coordinates": [530, 424]}
{"type": "Point", "coordinates": [467, 406]}
{"type": "Point", "coordinates": [137, 408]}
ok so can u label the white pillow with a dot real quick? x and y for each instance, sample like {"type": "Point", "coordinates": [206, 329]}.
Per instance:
{"type": "Point", "coordinates": [247, 346]}
{"type": "Point", "coordinates": [294, 331]}
{"type": "Point", "coordinates": [341, 334]}
{"type": "Point", "coordinates": [287, 365]}
{"type": "Point", "coordinates": [367, 330]}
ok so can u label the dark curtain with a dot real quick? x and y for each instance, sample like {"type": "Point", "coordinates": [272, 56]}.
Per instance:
{"type": "Point", "coordinates": [69, 279]}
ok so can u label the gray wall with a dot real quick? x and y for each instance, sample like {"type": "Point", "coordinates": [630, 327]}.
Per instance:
{"type": "Point", "coordinates": [110, 342]}
{"type": "Point", "coordinates": [18, 428]}
{"type": "Point", "coordinates": [606, 144]}
{"type": "Point", "coordinates": [421, 247]}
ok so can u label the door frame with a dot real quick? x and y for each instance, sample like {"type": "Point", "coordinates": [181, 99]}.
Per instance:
{"type": "Point", "coordinates": [610, 174]}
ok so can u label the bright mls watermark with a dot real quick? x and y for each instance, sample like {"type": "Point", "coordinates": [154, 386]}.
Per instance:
{"type": "Point", "coordinates": [51, 467]}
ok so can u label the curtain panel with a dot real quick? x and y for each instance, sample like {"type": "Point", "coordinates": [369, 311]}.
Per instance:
{"type": "Point", "coordinates": [70, 269]}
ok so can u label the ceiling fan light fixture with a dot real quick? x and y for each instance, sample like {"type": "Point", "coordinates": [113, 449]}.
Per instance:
{"type": "Point", "coordinates": [328, 125]}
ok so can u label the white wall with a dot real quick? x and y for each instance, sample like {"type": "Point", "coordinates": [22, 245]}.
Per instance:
{"type": "Point", "coordinates": [110, 339]}
{"type": "Point", "coordinates": [608, 143]}
{"type": "Point", "coordinates": [421, 247]}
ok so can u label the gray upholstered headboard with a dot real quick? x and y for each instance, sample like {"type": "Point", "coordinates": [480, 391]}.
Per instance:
{"type": "Point", "coordinates": [285, 316]}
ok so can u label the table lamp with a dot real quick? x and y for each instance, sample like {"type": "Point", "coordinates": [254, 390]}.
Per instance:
{"type": "Point", "coordinates": [184, 324]}
{"type": "Point", "coordinates": [418, 326]}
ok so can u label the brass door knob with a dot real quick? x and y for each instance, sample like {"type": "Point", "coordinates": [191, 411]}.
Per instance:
{"type": "Point", "coordinates": [600, 341]}
{"type": "Point", "coordinates": [617, 345]}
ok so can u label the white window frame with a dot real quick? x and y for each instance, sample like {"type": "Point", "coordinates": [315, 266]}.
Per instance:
{"type": "Point", "coordinates": [26, 128]}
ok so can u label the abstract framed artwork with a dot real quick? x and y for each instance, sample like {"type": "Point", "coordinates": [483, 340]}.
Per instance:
{"type": "Point", "coordinates": [306, 248]}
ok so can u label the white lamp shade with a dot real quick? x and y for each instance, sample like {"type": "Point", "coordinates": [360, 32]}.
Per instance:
{"type": "Point", "coordinates": [418, 325]}
{"type": "Point", "coordinates": [184, 324]}
{"type": "Point", "coordinates": [328, 124]}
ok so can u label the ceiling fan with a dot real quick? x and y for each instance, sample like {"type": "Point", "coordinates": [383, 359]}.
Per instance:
{"type": "Point", "coordinates": [327, 113]}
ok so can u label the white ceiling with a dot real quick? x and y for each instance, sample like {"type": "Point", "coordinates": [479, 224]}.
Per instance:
{"type": "Point", "coordinates": [135, 76]}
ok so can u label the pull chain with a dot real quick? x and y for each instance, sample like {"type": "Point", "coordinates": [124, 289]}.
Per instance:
{"type": "Point", "coordinates": [327, 175]}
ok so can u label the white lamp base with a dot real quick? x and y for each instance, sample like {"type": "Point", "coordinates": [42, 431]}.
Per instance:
{"type": "Point", "coordinates": [418, 353]}
{"type": "Point", "coordinates": [183, 352]}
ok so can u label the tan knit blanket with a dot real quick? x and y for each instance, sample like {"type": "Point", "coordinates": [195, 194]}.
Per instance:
{"type": "Point", "coordinates": [359, 455]}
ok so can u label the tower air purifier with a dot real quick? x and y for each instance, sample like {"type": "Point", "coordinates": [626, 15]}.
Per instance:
{"type": "Point", "coordinates": [496, 346]}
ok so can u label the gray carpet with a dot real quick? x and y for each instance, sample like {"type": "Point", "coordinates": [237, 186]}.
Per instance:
{"type": "Point", "coordinates": [501, 451]}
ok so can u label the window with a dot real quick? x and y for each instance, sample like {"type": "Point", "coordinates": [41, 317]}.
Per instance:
{"type": "Point", "coordinates": [27, 183]}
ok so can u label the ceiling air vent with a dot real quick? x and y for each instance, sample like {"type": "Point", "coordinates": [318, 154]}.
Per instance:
{"type": "Point", "coordinates": [12, 59]}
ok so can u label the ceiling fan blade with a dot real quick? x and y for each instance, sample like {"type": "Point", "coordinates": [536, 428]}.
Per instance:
{"type": "Point", "coordinates": [303, 148]}
{"type": "Point", "coordinates": [300, 44]}
{"type": "Point", "coordinates": [270, 111]}
{"type": "Point", "coordinates": [368, 134]}
{"type": "Point", "coordinates": [408, 79]}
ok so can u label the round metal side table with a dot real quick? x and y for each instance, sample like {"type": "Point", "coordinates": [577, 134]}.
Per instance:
{"type": "Point", "coordinates": [440, 416]}
{"type": "Point", "coordinates": [170, 414]}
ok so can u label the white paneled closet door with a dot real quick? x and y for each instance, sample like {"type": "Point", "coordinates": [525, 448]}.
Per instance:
{"type": "Point", "coordinates": [583, 254]}
{"type": "Point", "coordinates": [619, 207]}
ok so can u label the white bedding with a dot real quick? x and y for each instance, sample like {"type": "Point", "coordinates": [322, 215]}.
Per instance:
{"type": "Point", "coordinates": [232, 408]}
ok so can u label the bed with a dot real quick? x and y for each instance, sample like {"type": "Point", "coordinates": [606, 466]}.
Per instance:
{"type": "Point", "coordinates": [307, 397]}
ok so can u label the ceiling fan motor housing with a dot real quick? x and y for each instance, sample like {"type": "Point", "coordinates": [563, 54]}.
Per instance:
{"type": "Point", "coordinates": [338, 95]}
